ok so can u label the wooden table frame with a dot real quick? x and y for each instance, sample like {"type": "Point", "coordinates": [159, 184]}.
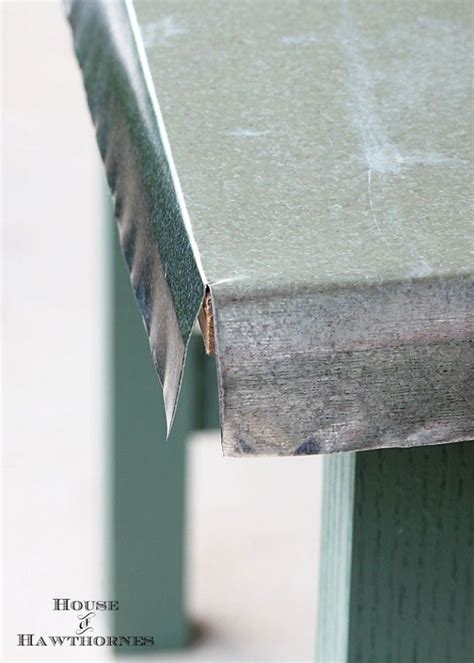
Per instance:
{"type": "Point", "coordinates": [397, 555]}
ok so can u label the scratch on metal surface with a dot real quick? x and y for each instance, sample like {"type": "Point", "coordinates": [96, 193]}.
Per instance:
{"type": "Point", "coordinates": [162, 32]}
{"type": "Point", "coordinates": [381, 154]}
{"type": "Point", "coordinates": [231, 279]}
{"type": "Point", "coordinates": [418, 159]}
{"type": "Point", "coordinates": [247, 133]}
{"type": "Point", "coordinates": [421, 269]}
{"type": "Point", "coordinates": [371, 203]}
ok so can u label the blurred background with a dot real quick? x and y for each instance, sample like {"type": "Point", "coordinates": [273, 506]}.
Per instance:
{"type": "Point", "coordinates": [252, 535]}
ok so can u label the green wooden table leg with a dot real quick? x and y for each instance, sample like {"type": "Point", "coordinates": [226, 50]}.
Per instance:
{"type": "Point", "coordinates": [397, 562]}
{"type": "Point", "coordinates": [148, 477]}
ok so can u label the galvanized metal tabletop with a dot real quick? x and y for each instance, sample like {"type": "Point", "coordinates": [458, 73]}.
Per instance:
{"type": "Point", "coordinates": [308, 166]}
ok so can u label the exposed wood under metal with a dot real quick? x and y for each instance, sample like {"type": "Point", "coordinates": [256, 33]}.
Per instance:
{"type": "Point", "coordinates": [206, 322]}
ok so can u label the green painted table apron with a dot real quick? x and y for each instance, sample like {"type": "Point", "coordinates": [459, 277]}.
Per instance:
{"type": "Point", "coordinates": [305, 170]}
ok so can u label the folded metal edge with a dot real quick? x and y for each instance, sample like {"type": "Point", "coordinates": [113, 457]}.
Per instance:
{"type": "Point", "coordinates": [347, 369]}
{"type": "Point", "coordinates": [154, 226]}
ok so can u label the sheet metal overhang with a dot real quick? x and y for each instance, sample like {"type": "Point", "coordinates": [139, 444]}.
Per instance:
{"type": "Point", "coordinates": [151, 214]}
{"type": "Point", "coordinates": [329, 225]}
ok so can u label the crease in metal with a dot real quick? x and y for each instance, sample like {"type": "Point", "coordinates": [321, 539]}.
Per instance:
{"type": "Point", "coordinates": [154, 226]}
{"type": "Point", "coordinates": [164, 135]}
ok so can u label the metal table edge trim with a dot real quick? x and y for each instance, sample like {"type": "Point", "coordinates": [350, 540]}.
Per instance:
{"type": "Point", "coordinates": [153, 222]}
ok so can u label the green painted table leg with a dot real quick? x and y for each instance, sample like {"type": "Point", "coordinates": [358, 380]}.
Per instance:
{"type": "Point", "coordinates": [148, 477]}
{"type": "Point", "coordinates": [397, 561]}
